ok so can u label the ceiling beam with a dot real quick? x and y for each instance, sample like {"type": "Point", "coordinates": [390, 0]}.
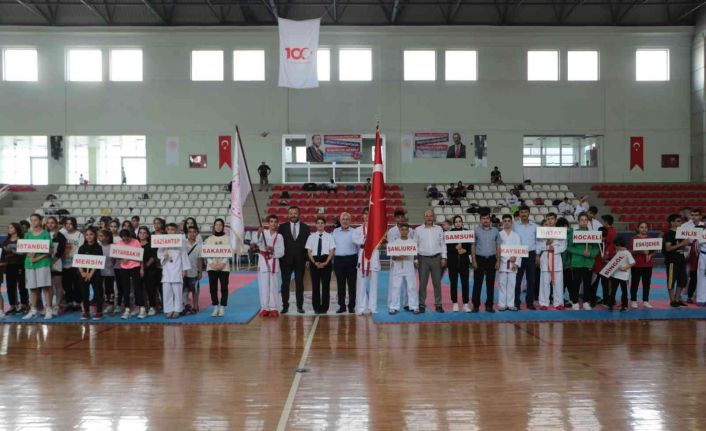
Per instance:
{"type": "Point", "coordinates": [395, 11]}
{"type": "Point", "coordinates": [217, 13]}
{"type": "Point", "coordinates": [35, 10]}
{"type": "Point", "coordinates": [272, 7]}
{"type": "Point", "coordinates": [576, 4]}
{"type": "Point", "coordinates": [148, 4]}
{"type": "Point", "coordinates": [96, 11]}
{"type": "Point", "coordinates": [690, 11]}
{"type": "Point", "coordinates": [453, 10]}
{"type": "Point", "coordinates": [629, 8]}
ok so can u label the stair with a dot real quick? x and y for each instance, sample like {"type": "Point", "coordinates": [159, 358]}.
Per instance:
{"type": "Point", "coordinates": [23, 204]}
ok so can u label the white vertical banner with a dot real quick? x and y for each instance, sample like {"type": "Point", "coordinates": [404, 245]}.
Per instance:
{"type": "Point", "coordinates": [172, 151]}
{"type": "Point", "coordinates": [239, 192]}
{"type": "Point", "coordinates": [298, 45]}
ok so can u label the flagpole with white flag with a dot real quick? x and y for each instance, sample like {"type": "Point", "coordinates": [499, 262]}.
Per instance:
{"type": "Point", "coordinates": [241, 186]}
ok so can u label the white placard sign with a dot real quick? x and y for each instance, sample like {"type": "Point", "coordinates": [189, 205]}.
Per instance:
{"type": "Point", "coordinates": [646, 244]}
{"type": "Point", "coordinates": [167, 241]}
{"type": "Point", "coordinates": [88, 261]}
{"type": "Point", "coordinates": [459, 236]}
{"type": "Point", "coordinates": [212, 251]}
{"type": "Point", "coordinates": [402, 248]}
{"type": "Point", "coordinates": [613, 265]}
{"type": "Point", "coordinates": [545, 232]}
{"type": "Point", "coordinates": [126, 252]}
{"type": "Point", "coordinates": [26, 246]}
{"type": "Point", "coordinates": [688, 233]}
{"type": "Point", "coordinates": [587, 237]}
{"type": "Point", "coordinates": [508, 250]}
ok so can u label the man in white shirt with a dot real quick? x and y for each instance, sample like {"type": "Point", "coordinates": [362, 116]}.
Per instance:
{"type": "Point", "coordinates": [551, 278]}
{"type": "Point", "coordinates": [692, 258]}
{"type": "Point", "coordinates": [565, 207]}
{"type": "Point", "coordinates": [432, 259]}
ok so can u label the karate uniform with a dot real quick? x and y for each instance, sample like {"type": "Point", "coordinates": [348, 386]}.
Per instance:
{"type": "Point", "coordinates": [393, 235]}
{"type": "Point", "coordinates": [268, 270]}
{"type": "Point", "coordinates": [366, 284]}
{"type": "Point", "coordinates": [403, 272]}
{"type": "Point", "coordinates": [701, 276]}
{"type": "Point", "coordinates": [174, 262]}
{"type": "Point", "coordinates": [550, 267]}
{"type": "Point", "coordinates": [507, 276]}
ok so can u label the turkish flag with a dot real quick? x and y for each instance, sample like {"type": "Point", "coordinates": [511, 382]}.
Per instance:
{"type": "Point", "coordinates": [637, 152]}
{"type": "Point", "coordinates": [224, 151]}
{"type": "Point", "coordinates": [377, 222]}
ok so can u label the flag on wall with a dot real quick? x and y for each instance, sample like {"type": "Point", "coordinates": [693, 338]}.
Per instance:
{"type": "Point", "coordinates": [172, 151]}
{"type": "Point", "coordinates": [239, 192]}
{"type": "Point", "coordinates": [225, 149]}
{"type": "Point", "coordinates": [298, 46]}
{"type": "Point", "coordinates": [377, 220]}
{"type": "Point", "coordinates": [637, 151]}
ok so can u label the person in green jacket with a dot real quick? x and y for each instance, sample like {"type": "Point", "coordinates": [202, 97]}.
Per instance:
{"type": "Point", "coordinates": [582, 257]}
{"type": "Point", "coordinates": [38, 269]}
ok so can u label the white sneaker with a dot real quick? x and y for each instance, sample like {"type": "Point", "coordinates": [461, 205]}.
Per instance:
{"type": "Point", "coordinates": [215, 310]}
{"type": "Point", "coordinates": [633, 304]}
{"type": "Point", "coordinates": [126, 314]}
{"type": "Point", "coordinates": [575, 306]}
{"type": "Point", "coordinates": [221, 311]}
{"type": "Point", "coordinates": [466, 308]}
{"type": "Point", "coordinates": [30, 314]}
{"type": "Point", "coordinates": [152, 311]}
{"type": "Point", "coordinates": [108, 309]}
{"type": "Point", "coordinates": [48, 314]}
{"type": "Point", "coordinates": [55, 310]}
{"type": "Point", "coordinates": [455, 308]}
{"type": "Point", "coordinates": [2, 314]}
{"type": "Point", "coordinates": [135, 311]}
{"type": "Point", "coordinates": [142, 314]}
{"type": "Point", "coordinates": [587, 306]}
{"type": "Point", "coordinates": [646, 304]}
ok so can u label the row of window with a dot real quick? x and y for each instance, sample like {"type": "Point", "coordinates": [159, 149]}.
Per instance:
{"type": "Point", "coordinates": [84, 64]}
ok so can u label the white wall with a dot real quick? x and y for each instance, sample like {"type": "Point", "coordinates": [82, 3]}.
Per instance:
{"type": "Point", "coordinates": [501, 104]}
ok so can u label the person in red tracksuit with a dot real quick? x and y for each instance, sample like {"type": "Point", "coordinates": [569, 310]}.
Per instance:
{"type": "Point", "coordinates": [642, 270]}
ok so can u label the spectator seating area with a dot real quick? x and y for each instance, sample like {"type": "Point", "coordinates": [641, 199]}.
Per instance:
{"type": "Point", "coordinates": [173, 202]}
{"type": "Point", "coordinates": [330, 205]}
{"type": "Point", "coordinates": [632, 203]}
{"type": "Point", "coordinates": [493, 197]}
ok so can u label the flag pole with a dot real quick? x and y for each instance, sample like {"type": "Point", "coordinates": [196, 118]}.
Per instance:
{"type": "Point", "coordinates": [247, 171]}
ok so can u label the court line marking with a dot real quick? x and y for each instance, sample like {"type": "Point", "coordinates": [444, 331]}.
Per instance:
{"type": "Point", "coordinates": [284, 417]}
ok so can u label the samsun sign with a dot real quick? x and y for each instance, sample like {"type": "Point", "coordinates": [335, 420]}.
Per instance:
{"type": "Point", "coordinates": [32, 246]}
{"type": "Point", "coordinates": [459, 236]}
{"type": "Point", "coordinates": [588, 236]}
{"type": "Point", "coordinates": [613, 265]}
{"type": "Point", "coordinates": [167, 241]}
{"type": "Point", "coordinates": [126, 252]}
{"type": "Point", "coordinates": [402, 248]}
{"type": "Point", "coordinates": [551, 232]}
{"type": "Point", "coordinates": [210, 251]}
{"type": "Point", "coordinates": [88, 261]}
{"type": "Point", "coordinates": [646, 244]}
{"type": "Point", "coordinates": [507, 250]}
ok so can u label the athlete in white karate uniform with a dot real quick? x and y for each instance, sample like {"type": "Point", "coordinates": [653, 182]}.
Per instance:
{"type": "Point", "coordinates": [175, 263]}
{"type": "Point", "coordinates": [507, 272]}
{"type": "Point", "coordinates": [701, 276]}
{"type": "Point", "coordinates": [551, 270]}
{"type": "Point", "coordinates": [271, 245]}
{"type": "Point", "coordinates": [368, 271]}
{"type": "Point", "coordinates": [393, 235]}
{"type": "Point", "coordinates": [403, 271]}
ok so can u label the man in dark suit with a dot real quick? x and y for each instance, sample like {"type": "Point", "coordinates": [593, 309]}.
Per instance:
{"type": "Point", "coordinates": [314, 153]}
{"type": "Point", "coordinates": [294, 234]}
{"type": "Point", "coordinates": [457, 150]}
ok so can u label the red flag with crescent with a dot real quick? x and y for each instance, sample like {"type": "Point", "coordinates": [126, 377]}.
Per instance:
{"type": "Point", "coordinates": [377, 221]}
{"type": "Point", "coordinates": [224, 151]}
{"type": "Point", "coordinates": [637, 152]}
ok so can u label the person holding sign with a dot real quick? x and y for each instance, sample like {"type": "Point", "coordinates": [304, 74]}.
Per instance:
{"type": "Point", "coordinates": [38, 270]}
{"type": "Point", "coordinates": [642, 270]}
{"type": "Point", "coordinates": [218, 269]}
{"type": "Point", "coordinates": [368, 271]}
{"type": "Point", "coordinates": [693, 259]}
{"type": "Point", "coordinates": [459, 258]}
{"type": "Point", "coordinates": [91, 277]}
{"type": "Point", "coordinates": [70, 278]}
{"type": "Point", "coordinates": [484, 253]}
{"type": "Point", "coordinates": [508, 266]}
{"type": "Point", "coordinates": [527, 230]}
{"type": "Point", "coordinates": [620, 275]}
{"type": "Point", "coordinates": [151, 274]}
{"type": "Point", "coordinates": [175, 263]}
{"type": "Point", "coordinates": [320, 250]}
{"type": "Point", "coordinates": [13, 263]}
{"type": "Point", "coordinates": [129, 272]}
{"type": "Point", "coordinates": [432, 259]}
{"type": "Point", "coordinates": [402, 270]}
{"type": "Point", "coordinates": [193, 274]}
{"type": "Point", "coordinates": [583, 257]}
{"type": "Point", "coordinates": [675, 261]}
{"type": "Point", "coordinates": [550, 267]}
{"type": "Point", "coordinates": [58, 246]}
{"type": "Point", "coordinates": [271, 246]}
{"type": "Point", "coordinates": [393, 235]}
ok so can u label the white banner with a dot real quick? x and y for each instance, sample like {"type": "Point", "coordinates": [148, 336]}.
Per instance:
{"type": "Point", "coordinates": [240, 189]}
{"type": "Point", "coordinates": [459, 236]}
{"type": "Point", "coordinates": [209, 251]}
{"type": "Point", "coordinates": [32, 246]}
{"type": "Point", "coordinates": [88, 261]}
{"type": "Point", "coordinates": [167, 241]}
{"type": "Point", "coordinates": [298, 45]}
{"type": "Point", "coordinates": [588, 236]}
{"type": "Point", "coordinates": [613, 265]}
{"type": "Point", "coordinates": [507, 250]}
{"type": "Point", "coordinates": [126, 252]}
{"type": "Point", "coordinates": [646, 244]}
{"type": "Point", "coordinates": [544, 232]}
{"type": "Point", "coordinates": [402, 248]}
{"type": "Point", "coordinates": [172, 151]}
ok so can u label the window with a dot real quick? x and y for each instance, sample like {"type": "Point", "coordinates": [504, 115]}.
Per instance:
{"type": "Point", "coordinates": [652, 65]}
{"type": "Point", "coordinates": [126, 65]}
{"type": "Point", "coordinates": [249, 65]}
{"type": "Point", "coordinates": [582, 66]}
{"type": "Point", "coordinates": [355, 65]}
{"type": "Point", "coordinates": [420, 65]}
{"type": "Point", "coordinates": [300, 153]}
{"type": "Point", "coordinates": [461, 65]}
{"type": "Point", "coordinates": [23, 160]}
{"type": "Point", "coordinates": [207, 65]}
{"type": "Point", "coordinates": [85, 65]}
{"type": "Point", "coordinates": [112, 155]}
{"type": "Point", "coordinates": [323, 64]}
{"type": "Point", "coordinates": [542, 65]}
{"type": "Point", "coordinates": [560, 151]}
{"type": "Point", "coordinates": [19, 64]}
{"type": "Point", "coordinates": [77, 159]}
